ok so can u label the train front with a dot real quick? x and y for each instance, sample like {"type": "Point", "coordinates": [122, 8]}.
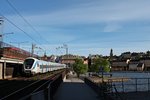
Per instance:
{"type": "Point", "coordinates": [28, 66]}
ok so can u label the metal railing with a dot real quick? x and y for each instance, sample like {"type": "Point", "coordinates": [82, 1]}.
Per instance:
{"type": "Point", "coordinates": [47, 93]}
{"type": "Point", "coordinates": [104, 90]}
{"type": "Point", "coordinates": [132, 84]}
{"type": "Point", "coordinates": [113, 90]}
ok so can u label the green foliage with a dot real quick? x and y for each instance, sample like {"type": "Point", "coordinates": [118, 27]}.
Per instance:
{"type": "Point", "coordinates": [79, 67]}
{"type": "Point", "coordinates": [100, 62]}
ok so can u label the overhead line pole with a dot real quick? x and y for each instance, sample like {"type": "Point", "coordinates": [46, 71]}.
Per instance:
{"type": "Point", "coordinates": [1, 31]}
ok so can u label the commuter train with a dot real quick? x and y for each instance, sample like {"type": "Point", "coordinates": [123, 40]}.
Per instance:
{"type": "Point", "coordinates": [33, 66]}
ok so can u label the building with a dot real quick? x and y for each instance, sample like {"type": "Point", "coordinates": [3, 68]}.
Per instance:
{"type": "Point", "coordinates": [119, 65]}
{"type": "Point", "coordinates": [69, 59]}
{"type": "Point", "coordinates": [86, 61]}
{"type": "Point", "coordinates": [140, 67]}
{"type": "Point", "coordinates": [133, 65]}
{"type": "Point", "coordinates": [125, 56]}
{"type": "Point", "coordinates": [146, 62]}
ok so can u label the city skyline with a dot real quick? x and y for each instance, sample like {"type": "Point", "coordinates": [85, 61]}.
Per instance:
{"type": "Point", "coordinates": [87, 27]}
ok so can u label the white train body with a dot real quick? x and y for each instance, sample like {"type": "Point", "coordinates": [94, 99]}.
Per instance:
{"type": "Point", "coordinates": [33, 66]}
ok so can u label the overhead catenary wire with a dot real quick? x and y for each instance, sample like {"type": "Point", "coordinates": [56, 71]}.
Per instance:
{"type": "Point", "coordinates": [15, 9]}
{"type": "Point", "coordinates": [19, 28]}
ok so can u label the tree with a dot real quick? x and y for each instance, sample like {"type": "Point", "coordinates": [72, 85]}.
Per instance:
{"type": "Point", "coordinates": [79, 67]}
{"type": "Point", "coordinates": [148, 53]}
{"type": "Point", "coordinates": [100, 62]}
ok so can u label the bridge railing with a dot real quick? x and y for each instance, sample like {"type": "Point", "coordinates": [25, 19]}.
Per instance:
{"type": "Point", "coordinates": [132, 84]}
{"type": "Point", "coordinates": [47, 93]}
{"type": "Point", "coordinates": [102, 89]}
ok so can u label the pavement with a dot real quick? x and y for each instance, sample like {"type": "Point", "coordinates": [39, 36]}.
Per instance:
{"type": "Point", "coordinates": [74, 88]}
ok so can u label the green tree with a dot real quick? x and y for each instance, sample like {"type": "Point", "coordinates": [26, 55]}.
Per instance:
{"type": "Point", "coordinates": [79, 67]}
{"type": "Point", "coordinates": [100, 62]}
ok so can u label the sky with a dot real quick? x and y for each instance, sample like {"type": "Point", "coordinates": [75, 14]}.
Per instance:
{"type": "Point", "coordinates": [85, 26]}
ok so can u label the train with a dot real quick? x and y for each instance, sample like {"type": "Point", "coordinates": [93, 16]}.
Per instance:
{"type": "Point", "coordinates": [32, 66]}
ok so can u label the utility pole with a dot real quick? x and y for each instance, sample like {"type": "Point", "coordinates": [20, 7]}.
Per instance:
{"type": "Point", "coordinates": [1, 31]}
{"type": "Point", "coordinates": [36, 47]}
{"type": "Point", "coordinates": [33, 47]}
{"type": "Point", "coordinates": [66, 47]}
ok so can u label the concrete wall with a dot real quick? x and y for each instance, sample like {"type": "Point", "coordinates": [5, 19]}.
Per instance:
{"type": "Point", "coordinates": [1, 70]}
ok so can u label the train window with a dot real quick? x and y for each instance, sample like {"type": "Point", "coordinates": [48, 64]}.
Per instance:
{"type": "Point", "coordinates": [28, 63]}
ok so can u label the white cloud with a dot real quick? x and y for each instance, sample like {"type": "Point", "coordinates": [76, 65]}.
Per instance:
{"type": "Point", "coordinates": [112, 14]}
{"type": "Point", "coordinates": [111, 27]}
{"type": "Point", "coordinates": [117, 11]}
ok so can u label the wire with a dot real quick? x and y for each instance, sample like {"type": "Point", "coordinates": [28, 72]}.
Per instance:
{"type": "Point", "coordinates": [19, 28]}
{"type": "Point", "coordinates": [15, 9]}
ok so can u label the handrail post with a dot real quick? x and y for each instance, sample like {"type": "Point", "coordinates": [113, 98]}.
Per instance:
{"type": "Point", "coordinates": [148, 84]}
{"type": "Point", "coordinates": [136, 83]}
{"type": "Point", "coordinates": [122, 85]}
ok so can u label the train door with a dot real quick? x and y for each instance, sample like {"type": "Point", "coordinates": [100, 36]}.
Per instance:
{"type": "Point", "coordinates": [38, 67]}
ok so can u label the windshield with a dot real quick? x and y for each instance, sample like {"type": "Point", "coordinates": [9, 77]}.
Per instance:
{"type": "Point", "coordinates": [28, 63]}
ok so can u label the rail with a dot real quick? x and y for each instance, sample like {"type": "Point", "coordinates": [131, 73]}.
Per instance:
{"type": "Point", "coordinates": [21, 92]}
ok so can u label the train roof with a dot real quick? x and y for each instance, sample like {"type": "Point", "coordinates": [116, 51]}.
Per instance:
{"type": "Point", "coordinates": [53, 63]}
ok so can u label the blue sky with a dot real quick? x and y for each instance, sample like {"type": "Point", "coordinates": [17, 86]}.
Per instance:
{"type": "Point", "coordinates": [86, 26]}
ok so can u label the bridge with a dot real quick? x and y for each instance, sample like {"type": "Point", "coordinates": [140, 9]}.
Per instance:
{"type": "Point", "coordinates": [11, 60]}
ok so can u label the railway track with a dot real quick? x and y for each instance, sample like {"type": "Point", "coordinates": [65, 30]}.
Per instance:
{"type": "Point", "coordinates": [17, 89]}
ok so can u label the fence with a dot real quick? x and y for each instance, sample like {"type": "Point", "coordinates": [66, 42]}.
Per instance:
{"type": "Point", "coordinates": [104, 90]}
{"type": "Point", "coordinates": [132, 84]}
{"type": "Point", "coordinates": [46, 94]}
